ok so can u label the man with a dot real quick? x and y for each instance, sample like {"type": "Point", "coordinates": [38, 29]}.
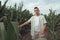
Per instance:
{"type": "Point", "coordinates": [38, 25]}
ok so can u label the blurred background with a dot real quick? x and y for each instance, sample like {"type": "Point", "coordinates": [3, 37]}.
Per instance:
{"type": "Point", "coordinates": [15, 12]}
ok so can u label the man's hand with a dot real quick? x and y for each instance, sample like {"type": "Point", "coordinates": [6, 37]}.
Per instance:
{"type": "Point", "coordinates": [20, 26]}
{"type": "Point", "coordinates": [42, 31]}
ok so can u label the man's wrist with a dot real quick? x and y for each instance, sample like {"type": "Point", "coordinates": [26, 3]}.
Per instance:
{"type": "Point", "coordinates": [42, 31]}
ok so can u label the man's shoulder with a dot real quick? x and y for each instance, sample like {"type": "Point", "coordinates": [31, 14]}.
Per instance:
{"type": "Point", "coordinates": [33, 15]}
{"type": "Point", "coordinates": [41, 15]}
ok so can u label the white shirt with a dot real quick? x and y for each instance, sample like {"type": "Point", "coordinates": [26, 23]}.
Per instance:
{"type": "Point", "coordinates": [38, 23]}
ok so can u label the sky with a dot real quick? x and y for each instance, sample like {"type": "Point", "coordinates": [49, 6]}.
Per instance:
{"type": "Point", "coordinates": [43, 5]}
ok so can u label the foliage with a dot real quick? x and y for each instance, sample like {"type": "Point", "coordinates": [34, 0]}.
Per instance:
{"type": "Point", "coordinates": [13, 16]}
{"type": "Point", "coordinates": [52, 23]}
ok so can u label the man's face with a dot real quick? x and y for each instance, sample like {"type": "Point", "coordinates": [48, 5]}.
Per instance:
{"type": "Point", "coordinates": [36, 10]}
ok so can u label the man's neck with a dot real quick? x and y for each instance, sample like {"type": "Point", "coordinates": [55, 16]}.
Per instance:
{"type": "Point", "coordinates": [37, 14]}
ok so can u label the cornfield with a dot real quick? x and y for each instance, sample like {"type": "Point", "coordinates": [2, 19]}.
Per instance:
{"type": "Point", "coordinates": [11, 17]}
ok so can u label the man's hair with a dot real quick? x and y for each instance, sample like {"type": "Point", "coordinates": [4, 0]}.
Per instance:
{"type": "Point", "coordinates": [35, 7]}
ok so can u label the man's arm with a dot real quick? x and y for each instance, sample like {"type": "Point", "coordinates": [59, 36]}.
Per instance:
{"type": "Point", "coordinates": [44, 25]}
{"type": "Point", "coordinates": [43, 29]}
{"type": "Point", "coordinates": [25, 23]}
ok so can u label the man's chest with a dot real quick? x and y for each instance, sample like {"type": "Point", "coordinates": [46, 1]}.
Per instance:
{"type": "Point", "coordinates": [37, 19]}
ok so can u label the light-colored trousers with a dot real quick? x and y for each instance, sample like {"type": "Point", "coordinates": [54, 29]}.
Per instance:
{"type": "Point", "coordinates": [38, 36]}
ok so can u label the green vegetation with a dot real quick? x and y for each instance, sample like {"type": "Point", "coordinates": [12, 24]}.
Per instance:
{"type": "Point", "coordinates": [11, 17]}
